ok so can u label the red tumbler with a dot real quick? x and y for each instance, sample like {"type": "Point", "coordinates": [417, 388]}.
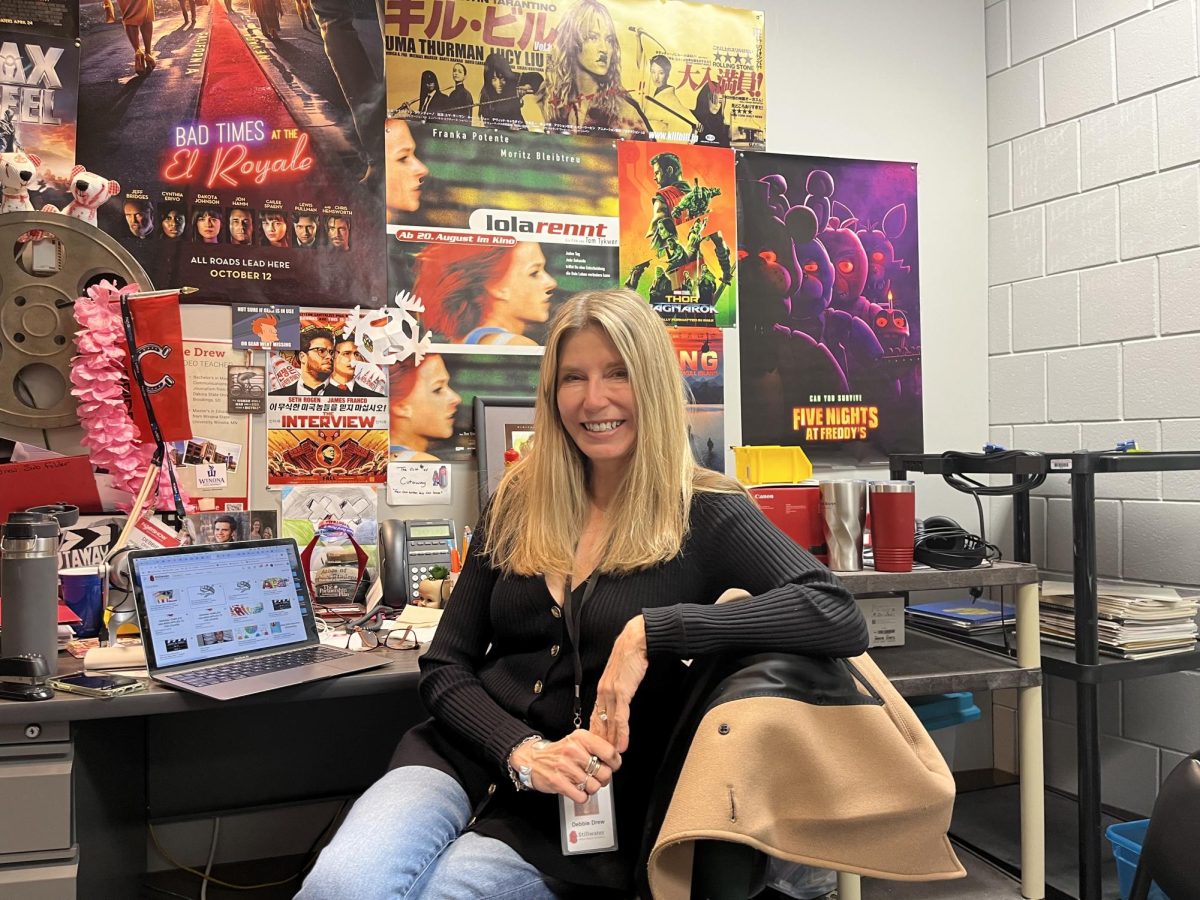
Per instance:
{"type": "Point", "coordinates": [893, 516]}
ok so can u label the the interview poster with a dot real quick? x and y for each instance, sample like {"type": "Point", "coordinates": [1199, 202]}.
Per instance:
{"type": "Point", "coordinates": [327, 408]}
{"type": "Point", "coordinates": [701, 353]}
{"type": "Point", "coordinates": [432, 403]}
{"type": "Point", "coordinates": [830, 306]}
{"type": "Point", "coordinates": [679, 231]}
{"type": "Point", "coordinates": [247, 139]}
{"type": "Point", "coordinates": [662, 70]}
{"type": "Point", "coordinates": [39, 83]}
{"type": "Point", "coordinates": [504, 227]}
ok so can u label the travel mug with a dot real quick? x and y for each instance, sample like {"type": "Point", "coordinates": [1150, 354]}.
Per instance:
{"type": "Point", "coordinates": [893, 514]}
{"type": "Point", "coordinates": [83, 594]}
{"type": "Point", "coordinates": [29, 586]}
{"type": "Point", "coordinates": [844, 511]}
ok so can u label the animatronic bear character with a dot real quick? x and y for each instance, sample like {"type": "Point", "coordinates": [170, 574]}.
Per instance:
{"type": "Point", "coordinates": [89, 192]}
{"type": "Point", "coordinates": [17, 170]}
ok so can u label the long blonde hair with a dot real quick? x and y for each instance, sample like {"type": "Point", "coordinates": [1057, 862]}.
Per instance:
{"type": "Point", "coordinates": [540, 507]}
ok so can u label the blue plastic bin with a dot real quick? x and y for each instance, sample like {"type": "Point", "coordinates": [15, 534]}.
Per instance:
{"type": "Point", "coordinates": [945, 710]}
{"type": "Point", "coordinates": [1127, 838]}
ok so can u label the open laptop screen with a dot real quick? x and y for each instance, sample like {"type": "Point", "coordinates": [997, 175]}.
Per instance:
{"type": "Point", "coordinates": [204, 603]}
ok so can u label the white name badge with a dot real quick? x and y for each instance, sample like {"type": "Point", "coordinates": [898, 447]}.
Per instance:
{"type": "Point", "coordinates": [588, 827]}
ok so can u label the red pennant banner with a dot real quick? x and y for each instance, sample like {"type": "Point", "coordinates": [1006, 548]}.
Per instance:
{"type": "Point", "coordinates": [159, 335]}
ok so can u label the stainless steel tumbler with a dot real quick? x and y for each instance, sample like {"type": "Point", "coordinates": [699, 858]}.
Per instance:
{"type": "Point", "coordinates": [29, 586]}
{"type": "Point", "coordinates": [844, 512]}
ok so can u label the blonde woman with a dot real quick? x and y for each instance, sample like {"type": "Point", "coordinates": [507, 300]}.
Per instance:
{"type": "Point", "coordinates": [609, 509]}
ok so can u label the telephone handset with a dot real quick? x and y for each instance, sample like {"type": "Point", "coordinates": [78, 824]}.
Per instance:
{"type": "Point", "coordinates": [408, 549]}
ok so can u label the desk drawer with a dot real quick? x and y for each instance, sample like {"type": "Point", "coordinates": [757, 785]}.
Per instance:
{"type": "Point", "coordinates": [50, 879]}
{"type": "Point", "coordinates": [35, 793]}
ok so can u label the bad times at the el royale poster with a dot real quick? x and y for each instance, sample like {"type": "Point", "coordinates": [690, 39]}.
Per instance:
{"type": "Point", "coordinates": [635, 69]}
{"type": "Point", "coordinates": [247, 142]}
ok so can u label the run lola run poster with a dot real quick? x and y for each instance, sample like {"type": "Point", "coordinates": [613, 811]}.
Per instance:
{"type": "Point", "coordinates": [679, 231]}
{"type": "Point", "coordinates": [247, 139]}
{"type": "Point", "coordinates": [664, 70]}
{"type": "Point", "coordinates": [500, 229]}
{"type": "Point", "coordinates": [830, 306]}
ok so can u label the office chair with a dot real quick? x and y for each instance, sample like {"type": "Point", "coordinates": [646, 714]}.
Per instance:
{"type": "Point", "coordinates": [1169, 851]}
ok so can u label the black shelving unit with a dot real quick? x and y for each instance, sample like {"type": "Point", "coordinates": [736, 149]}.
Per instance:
{"type": "Point", "coordinates": [1085, 666]}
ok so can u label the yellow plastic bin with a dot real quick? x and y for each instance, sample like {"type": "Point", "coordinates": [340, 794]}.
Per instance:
{"type": "Point", "coordinates": [771, 464]}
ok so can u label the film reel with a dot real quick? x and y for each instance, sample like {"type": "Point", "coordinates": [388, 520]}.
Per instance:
{"type": "Point", "coordinates": [37, 325]}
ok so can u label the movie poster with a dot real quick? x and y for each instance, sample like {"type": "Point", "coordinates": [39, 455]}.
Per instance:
{"type": "Point", "coordinates": [678, 231]}
{"type": "Point", "coordinates": [327, 408]}
{"type": "Point", "coordinates": [39, 84]}
{"type": "Point", "coordinates": [830, 306]}
{"type": "Point", "coordinates": [433, 403]}
{"type": "Point", "coordinates": [634, 69]}
{"type": "Point", "coordinates": [701, 353]}
{"type": "Point", "coordinates": [247, 140]}
{"type": "Point", "coordinates": [504, 228]}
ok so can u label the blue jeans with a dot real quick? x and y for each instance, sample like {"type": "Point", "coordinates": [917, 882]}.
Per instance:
{"type": "Point", "coordinates": [403, 839]}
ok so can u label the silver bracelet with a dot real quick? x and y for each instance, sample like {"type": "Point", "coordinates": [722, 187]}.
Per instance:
{"type": "Point", "coordinates": [520, 779]}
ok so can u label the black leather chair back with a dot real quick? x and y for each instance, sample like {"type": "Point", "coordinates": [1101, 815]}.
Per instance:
{"type": "Point", "coordinates": [1173, 836]}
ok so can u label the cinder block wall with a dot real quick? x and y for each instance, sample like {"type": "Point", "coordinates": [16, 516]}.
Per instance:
{"type": "Point", "coordinates": [1094, 315]}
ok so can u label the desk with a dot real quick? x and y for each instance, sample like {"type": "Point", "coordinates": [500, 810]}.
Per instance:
{"type": "Point", "coordinates": [165, 753]}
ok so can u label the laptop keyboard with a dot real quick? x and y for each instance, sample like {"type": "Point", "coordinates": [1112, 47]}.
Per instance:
{"type": "Point", "coordinates": [263, 665]}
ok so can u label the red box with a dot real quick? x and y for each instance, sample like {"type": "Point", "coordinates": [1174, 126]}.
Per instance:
{"type": "Point", "coordinates": [796, 511]}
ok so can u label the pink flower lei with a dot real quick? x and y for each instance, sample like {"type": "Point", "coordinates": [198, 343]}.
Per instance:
{"type": "Point", "coordinates": [98, 380]}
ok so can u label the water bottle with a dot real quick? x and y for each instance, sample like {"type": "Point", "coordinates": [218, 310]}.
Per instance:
{"type": "Point", "coordinates": [29, 586]}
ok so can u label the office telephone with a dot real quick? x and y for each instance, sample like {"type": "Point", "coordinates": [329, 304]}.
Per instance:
{"type": "Point", "coordinates": [408, 549]}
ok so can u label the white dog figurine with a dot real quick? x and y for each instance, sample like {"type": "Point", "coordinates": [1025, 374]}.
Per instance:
{"type": "Point", "coordinates": [89, 192]}
{"type": "Point", "coordinates": [17, 170]}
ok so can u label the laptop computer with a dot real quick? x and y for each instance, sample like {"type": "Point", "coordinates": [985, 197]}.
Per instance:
{"type": "Point", "coordinates": [228, 620]}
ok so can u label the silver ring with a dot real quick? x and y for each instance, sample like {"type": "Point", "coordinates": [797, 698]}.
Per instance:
{"type": "Point", "coordinates": [603, 716]}
{"type": "Point", "coordinates": [593, 766]}
{"type": "Point", "coordinates": [582, 786]}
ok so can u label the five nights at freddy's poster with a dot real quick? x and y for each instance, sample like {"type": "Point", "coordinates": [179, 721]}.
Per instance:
{"type": "Point", "coordinates": [830, 309]}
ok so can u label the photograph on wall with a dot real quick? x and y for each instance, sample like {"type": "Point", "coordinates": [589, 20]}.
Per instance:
{"type": "Point", "coordinates": [217, 528]}
{"type": "Point", "coordinates": [490, 265]}
{"type": "Point", "coordinates": [830, 316]}
{"type": "Point", "coordinates": [432, 404]}
{"type": "Point", "coordinates": [679, 230]}
{"type": "Point", "coordinates": [327, 407]}
{"type": "Point", "coordinates": [247, 140]}
{"type": "Point", "coordinates": [662, 70]}
{"type": "Point", "coordinates": [213, 465]}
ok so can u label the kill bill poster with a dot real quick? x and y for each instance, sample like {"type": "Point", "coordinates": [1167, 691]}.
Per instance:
{"type": "Point", "coordinates": [504, 227]}
{"type": "Point", "coordinates": [327, 409]}
{"type": "Point", "coordinates": [830, 319]}
{"type": "Point", "coordinates": [39, 80]}
{"type": "Point", "coordinates": [678, 231]}
{"type": "Point", "coordinates": [634, 69]}
{"type": "Point", "coordinates": [247, 142]}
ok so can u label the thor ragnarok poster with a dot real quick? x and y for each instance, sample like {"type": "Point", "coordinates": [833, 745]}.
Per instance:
{"type": "Point", "coordinates": [830, 306]}
{"type": "Point", "coordinates": [247, 140]}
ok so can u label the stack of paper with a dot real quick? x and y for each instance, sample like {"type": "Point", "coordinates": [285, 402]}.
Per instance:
{"type": "Point", "coordinates": [964, 615]}
{"type": "Point", "coordinates": [1134, 621]}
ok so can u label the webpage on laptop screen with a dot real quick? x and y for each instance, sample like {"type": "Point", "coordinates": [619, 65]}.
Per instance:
{"type": "Point", "coordinates": [203, 606]}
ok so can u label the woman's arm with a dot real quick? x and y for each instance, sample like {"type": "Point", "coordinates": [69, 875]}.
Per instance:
{"type": "Point", "coordinates": [795, 605]}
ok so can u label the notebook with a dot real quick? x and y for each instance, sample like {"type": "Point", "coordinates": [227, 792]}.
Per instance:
{"type": "Point", "coordinates": [228, 620]}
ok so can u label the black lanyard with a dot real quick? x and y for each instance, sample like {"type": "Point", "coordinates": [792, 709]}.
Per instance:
{"type": "Point", "coordinates": [160, 457]}
{"type": "Point", "coordinates": [573, 634]}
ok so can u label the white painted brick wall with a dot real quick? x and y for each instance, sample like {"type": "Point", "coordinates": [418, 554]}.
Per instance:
{"type": "Point", "coordinates": [1160, 212]}
{"type": "Point", "coordinates": [1118, 302]}
{"type": "Point", "coordinates": [1045, 312]}
{"type": "Point", "coordinates": [1079, 79]}
{"type": "Point", "coordinates": [1117, 213]}
{"type": "Point", "coordinates": [1082, 231]}
{"type": "Point", "coordinates": [1179, 124]}
{"type": "Point", "coordinates": [1117, 143]}
{"type": "Point", "coordinates": [1178, 276]}
{"type": "Point", "coordinates": [1084, 384]}
{"type": "Point", "coordinates": [1045, 164]}
{"type": "Point", "coordinates": [1156, 49]}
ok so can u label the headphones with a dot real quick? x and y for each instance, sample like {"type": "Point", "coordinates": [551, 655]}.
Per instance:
{"type": "Point", "coordinates": [942, 543]}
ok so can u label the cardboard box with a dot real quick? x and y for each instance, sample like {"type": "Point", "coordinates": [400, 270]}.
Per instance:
{"type": "Point", "coordinates": [885, 619]}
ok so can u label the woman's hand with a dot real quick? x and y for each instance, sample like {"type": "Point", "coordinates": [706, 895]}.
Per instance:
{"type": "Point", "coordinates": [566, 767]}
{"type": "Point", "coordinates": [626, 668]}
